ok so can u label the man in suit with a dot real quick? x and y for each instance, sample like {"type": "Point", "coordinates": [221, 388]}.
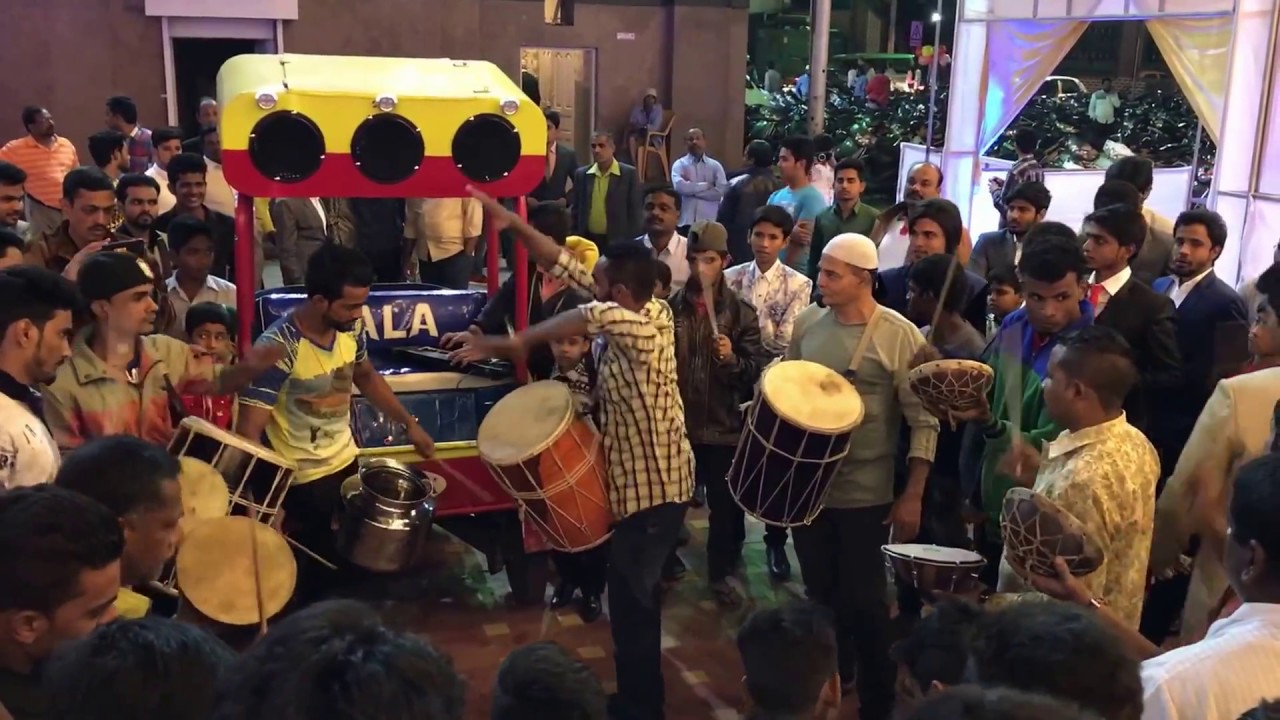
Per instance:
{"type": "Point", "coordinates": [1025, 205]}
{"type": "Point", "coordinates": [1113, 237]}
{"type": "Point", "coordinates": [1212, 324]}
{"type": "Point", "coordinates": [1235, 427]}
{"type": "Point", "coordinates": [561, 164]}
{"type": "Point", "coordinates": [606, 196]}
{"type": "Point", "coordinates": [304, 225]}
{"type": "Point", "coordinates": [1153, 260]}
{"type": "Point", "coordinates": [1213, 341]}
{"type": "Point", "coordinates": [933, 227]}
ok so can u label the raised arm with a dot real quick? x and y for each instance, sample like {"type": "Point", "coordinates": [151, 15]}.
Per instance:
{"type": "Point", "coordinates": [542, 249]}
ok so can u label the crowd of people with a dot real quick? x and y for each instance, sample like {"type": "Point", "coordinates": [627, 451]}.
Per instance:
{"type": "Point", "coordinates": [1124, 391]}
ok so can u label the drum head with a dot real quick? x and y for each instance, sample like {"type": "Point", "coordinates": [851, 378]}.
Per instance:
{"type": "Point", "coordinates": [216, 570]}
{"type": "Point", "coordinates": [934, 554]}
{"type": "Point", "coordinates": [812, 396]}
{"type": "Point", "coordinates": [524, 423]}
{"type": "Point", "coordinates": [204, 492]}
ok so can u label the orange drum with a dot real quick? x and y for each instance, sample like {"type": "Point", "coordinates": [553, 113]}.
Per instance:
{"type": "Point", "coordinates": [551, 461]}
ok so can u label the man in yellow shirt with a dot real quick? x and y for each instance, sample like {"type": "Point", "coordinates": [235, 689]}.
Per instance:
{"type": "Point", "coordinates": [138, 482]}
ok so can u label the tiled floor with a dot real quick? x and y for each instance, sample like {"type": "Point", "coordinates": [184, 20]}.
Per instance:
{"type": "Point", "coordinates": [461, 609]}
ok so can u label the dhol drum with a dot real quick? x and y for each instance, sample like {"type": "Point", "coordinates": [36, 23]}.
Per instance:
{"type": "Point", "coordinates": [256, 477]}
{"type": "Point", "coordinates": [1036, 531]}
{"type": "Point", "coordinates": [552, 463]}
{"type": "Point", "coordinates": [204, 496]}
{"type": "Point", "coordinates": [797, 432]}
{"type": "Point", "coordinates": [235, 571]}
{"type": "Point", "coordinates": [933, 568]}
{"type": "Point", "coordinates": [955, 385]}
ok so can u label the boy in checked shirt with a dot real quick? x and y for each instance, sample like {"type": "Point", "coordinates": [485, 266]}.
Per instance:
{"type": "Point", "coordinates": [581, 571]}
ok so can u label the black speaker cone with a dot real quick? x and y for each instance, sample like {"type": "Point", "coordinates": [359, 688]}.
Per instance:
{"type": "Point", "coordinates": [286, 146]}
{"type": "Point", "coordinates": [486, 148]}
{"type": "Point", "coordinates": [387, 148]}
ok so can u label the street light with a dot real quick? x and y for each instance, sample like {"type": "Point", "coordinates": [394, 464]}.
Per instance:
{"type": "Point", "coordinates": [936, 17]}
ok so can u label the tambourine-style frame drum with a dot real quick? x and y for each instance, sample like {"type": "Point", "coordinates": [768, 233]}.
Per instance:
{"type": "Point", "coordinates": [797, 433]}
{"type": "Point", "coordinates": [204, 496]}
{"type": "Point", "coordinates": [933, 568]}
{"type": "Point", "coordinates": [955, 385]}
{"type": "Point", "coordinates": [551, 462]}
{"type": "Point", "coordinates": [257, 477]}
{"type": "Point", "coordinates": [1036, 530]}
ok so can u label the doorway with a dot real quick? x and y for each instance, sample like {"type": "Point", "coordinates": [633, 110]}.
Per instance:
{"type": "Point", "coordinates": [567, 82]}
{"type": "Point", "coordinates": [196, 48]}
{"type": "Point", "coordinates": [196, 62]}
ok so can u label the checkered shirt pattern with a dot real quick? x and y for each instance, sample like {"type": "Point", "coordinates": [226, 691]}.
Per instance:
{"type": "Point", "coordinates": [645, 443]}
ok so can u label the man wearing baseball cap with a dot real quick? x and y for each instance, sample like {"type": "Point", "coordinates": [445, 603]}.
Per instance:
{"type": "Point", "coordinates": [719, 355]}
{"type": "Point", "coordinates": [839, 552]}
{"type": "Point", "coordinates": [122, 379]}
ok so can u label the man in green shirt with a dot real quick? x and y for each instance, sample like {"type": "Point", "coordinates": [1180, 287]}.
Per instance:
{"type": "Point", "coordinates": [848, 214]}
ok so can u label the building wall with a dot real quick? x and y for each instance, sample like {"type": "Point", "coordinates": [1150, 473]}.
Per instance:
{"type": "Point", "coordinates": [87, 50]}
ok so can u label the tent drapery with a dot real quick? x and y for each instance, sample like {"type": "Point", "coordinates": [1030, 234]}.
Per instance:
{"type": "Point", "coordinates": [1197, 51]}
{"type": "Point", "coordinates": [1020, 55]}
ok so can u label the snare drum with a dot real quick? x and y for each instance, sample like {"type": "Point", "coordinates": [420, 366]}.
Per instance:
{"type": "Point", "coordinates": [933, 568]}
{"type": "Point", "coordinates": [551, 461]}
{"type": "Point", "coordinates": [257, 477]}
{"type": "Point", "coordinates": [797, 433]}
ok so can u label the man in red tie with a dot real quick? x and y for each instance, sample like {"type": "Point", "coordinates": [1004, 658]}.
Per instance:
{"type": "Point", "coordinates": [1145, 318]}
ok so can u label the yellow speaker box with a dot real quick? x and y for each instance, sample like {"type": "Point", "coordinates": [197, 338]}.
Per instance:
{"type": "Point", "coordinates": [328, 126]}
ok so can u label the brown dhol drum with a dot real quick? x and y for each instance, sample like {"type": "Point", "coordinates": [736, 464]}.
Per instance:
{"type": "Point", "coordinates": [954, 385]}
{"type": "Point", "coordinates": [797, 432]}
{"type": "Point", "coordinates": [551, 461]}
{"type": "Point", "coordinates": [256, 477]}
{"type": "Point", "coordinates": [934, 568]}
{"type": "Point", "coordinates": [225, 578]}
{"type": "Point", "coordinates": [1036, 531]}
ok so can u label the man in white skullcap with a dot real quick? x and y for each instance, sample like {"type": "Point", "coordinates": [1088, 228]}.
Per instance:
{"type": "Point", "coordinates": [839, 551]}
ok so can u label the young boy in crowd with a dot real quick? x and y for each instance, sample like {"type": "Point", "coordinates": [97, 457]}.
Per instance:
{"type": "Point", "coordinates": [211, 327]}
{"type": "Point", "coordinates": [1003, 297]}
{"type": "Point", "coordinates": [575, 366]}
{"type": "Point", "coordinates": [191, 242]}
{"type": "Point", "coordinates": [662, 288]}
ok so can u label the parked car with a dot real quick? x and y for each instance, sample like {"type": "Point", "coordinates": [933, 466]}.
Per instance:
{"type": "Point", "coordinates": [1059, 85]}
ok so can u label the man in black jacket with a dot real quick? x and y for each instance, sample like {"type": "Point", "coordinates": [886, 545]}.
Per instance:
{"type": "Point", "coordinates": [607, 197]}
{"type": "Point", "coordinates": [720, 356]}
{"type": "Point", "coordinates": [561, 164]}
{"type": "Point", "coordinates": [546, 298]}
{"type": "Point", "coordinates": [749, 190]}
{"type": "Point", "coordinates": [1145, 318]}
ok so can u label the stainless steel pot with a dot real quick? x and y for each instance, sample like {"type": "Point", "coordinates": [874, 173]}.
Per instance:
{"type": "Point", "coordinates": [386, 519]}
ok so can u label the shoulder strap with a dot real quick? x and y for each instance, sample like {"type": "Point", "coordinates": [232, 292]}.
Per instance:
{"type": "Point", "coordinates": [865, 341]}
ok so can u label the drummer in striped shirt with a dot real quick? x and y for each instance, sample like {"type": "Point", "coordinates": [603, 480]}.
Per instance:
{"type": "Point", "coordinates": [650, 473]}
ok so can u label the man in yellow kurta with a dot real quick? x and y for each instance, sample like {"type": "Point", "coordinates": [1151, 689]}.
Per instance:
{"type": "Point", "coordinates": [1100, 469]}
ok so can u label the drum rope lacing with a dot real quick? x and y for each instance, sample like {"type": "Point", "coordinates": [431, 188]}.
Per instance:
{"type": "Point", "coordinates": [808, 496]}
{"type": "Point", "coordinates": [569, 481]}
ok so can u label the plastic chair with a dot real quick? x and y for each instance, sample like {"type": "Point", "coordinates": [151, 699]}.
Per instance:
{"type": "Point", "coordinates": [660, 148]}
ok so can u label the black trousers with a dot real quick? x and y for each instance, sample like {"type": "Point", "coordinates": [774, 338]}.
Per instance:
{"type": "Point", "coordinates": [844, 570]}
{"type": "Point", "coordinates": [637, 551]}
{"type": "Point", "coordinates": [453, 272]}
{"type": "Point", "coordinates": [309, 512]}
{"type": "Point", "coordinates": [583, 570]}
{"type": "Point", "coordinates": [726, 522]}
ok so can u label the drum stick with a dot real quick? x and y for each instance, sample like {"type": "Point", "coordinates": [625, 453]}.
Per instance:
{"type": "Point", "coordinates": [257, 579]}
{"type": "Point", "coordinates": [952, 270]}
{"type": "Point", "coordinates": [304, 549]}
{"type": "Point", "coordinates": [458, 477]}
{"type": "Point", "coordinates": [709, 297]}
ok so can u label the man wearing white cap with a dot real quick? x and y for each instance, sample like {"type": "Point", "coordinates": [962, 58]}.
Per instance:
{"type": "Point", "coordinates": [839, 552]}
{"type": "Point", "coordinates": [645, 118]}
